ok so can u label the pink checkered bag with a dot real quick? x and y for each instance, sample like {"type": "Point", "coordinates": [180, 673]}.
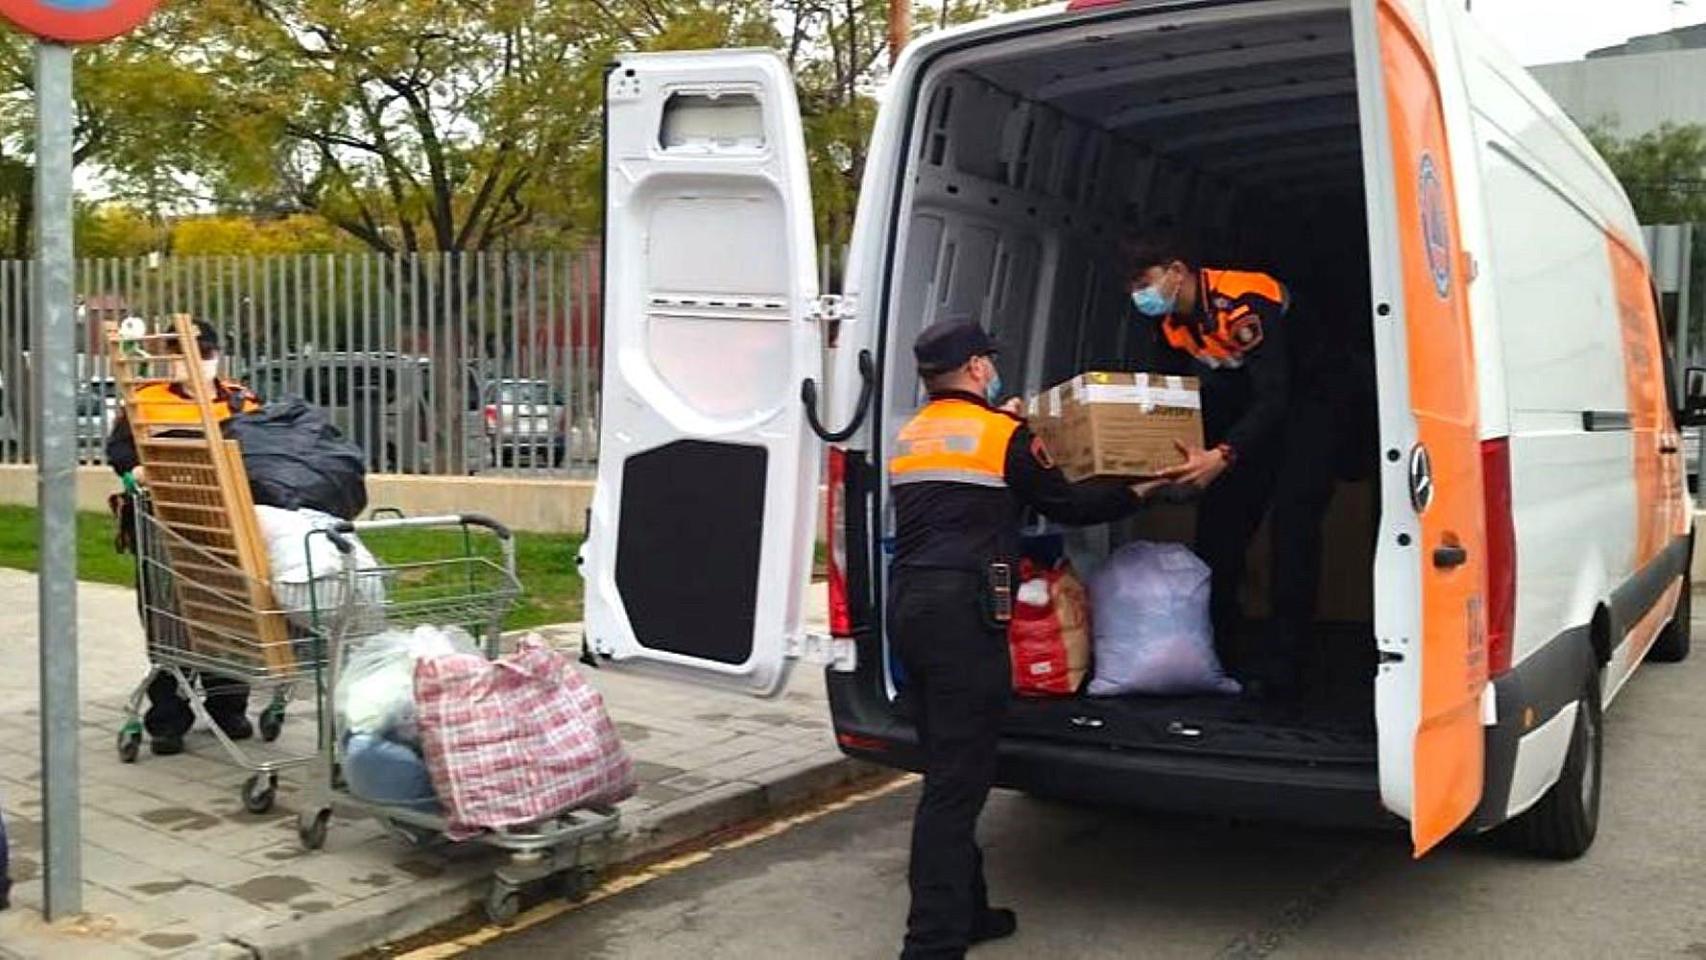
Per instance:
{"type": "Point", "coordinates": [516, 740]}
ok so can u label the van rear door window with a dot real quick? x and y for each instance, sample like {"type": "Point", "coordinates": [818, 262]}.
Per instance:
{"type": "Point", "coordinates": [705, 123]}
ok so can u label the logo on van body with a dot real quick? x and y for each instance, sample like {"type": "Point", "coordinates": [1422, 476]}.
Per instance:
{"type": "Point", "coordinates": [1436, 229]}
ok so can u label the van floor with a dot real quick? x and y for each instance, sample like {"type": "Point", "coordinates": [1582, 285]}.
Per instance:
{"type": "Point", "coordinates": [1333, 724]}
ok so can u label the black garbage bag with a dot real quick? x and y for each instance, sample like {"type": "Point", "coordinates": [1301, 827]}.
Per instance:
{"type": "Point", "coordinates": [297, 459]}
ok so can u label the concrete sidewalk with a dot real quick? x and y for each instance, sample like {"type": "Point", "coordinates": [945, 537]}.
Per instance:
{"type": "Point", "coordinates": [174, 866]}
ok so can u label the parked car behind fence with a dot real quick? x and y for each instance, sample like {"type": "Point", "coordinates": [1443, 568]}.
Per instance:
{"type": "Point", "coordinates": [383, 402]}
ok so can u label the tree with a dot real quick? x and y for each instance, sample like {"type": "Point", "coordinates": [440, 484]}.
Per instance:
{"type": "Point", "coordinates": [227, 235]}
{"type": "Point", "coordinates": [426, 125]}
{"type": "Point", "coordinates": [1663, 171]}
{"type": "Point", "coordinates": [135, 100]}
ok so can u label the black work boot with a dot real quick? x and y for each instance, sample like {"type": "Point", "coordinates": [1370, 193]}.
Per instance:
{"type": "Point", "coordinates": [997, 923]}
{"type": "Point", "coordinates": [235, 725]}
{"type": "Point", "coordinates": [166, 744]}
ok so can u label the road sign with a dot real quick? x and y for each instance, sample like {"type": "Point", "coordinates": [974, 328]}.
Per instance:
{"type": "Point", "coordinates": [77, 21]}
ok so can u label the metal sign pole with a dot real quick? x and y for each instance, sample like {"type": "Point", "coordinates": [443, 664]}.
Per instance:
{"type": "Point", "coordinates": [56, 483]}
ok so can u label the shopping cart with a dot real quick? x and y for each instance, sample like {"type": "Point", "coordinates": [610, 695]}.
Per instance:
{"type": "Point", "coordinates": [200, 613]}
{"type": "Point", "coordinates": [473, 590]}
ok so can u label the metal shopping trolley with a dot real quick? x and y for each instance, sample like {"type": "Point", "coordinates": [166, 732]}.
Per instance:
{"type": "Point", "coordinates": [471, 589]}
{"type": "Point", "coordinates": [205, 615]}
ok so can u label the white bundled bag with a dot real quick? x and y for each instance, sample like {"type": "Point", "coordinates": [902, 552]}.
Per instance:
{"type": "Point", "coordinates": [1150, 622]}
{"type": "Point", "coordinates": [308, 571]}
{"type": "Point", "coordinates": [376, 687]}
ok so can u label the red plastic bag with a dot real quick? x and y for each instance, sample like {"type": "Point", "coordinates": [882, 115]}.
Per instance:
{"type": "Point", "coordinates": [515, 740]}
{"type": "Point", "coordinates": [1049, 635]}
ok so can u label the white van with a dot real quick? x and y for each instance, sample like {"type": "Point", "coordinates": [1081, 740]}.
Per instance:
{"type": "Point", "coordinates": [1521, 549]}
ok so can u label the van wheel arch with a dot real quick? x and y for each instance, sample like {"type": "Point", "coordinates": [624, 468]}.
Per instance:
{"type": "Point", "coordinates": [1563, 824]}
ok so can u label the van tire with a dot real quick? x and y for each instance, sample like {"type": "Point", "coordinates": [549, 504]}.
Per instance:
{"type": "Point", "coordinates": [1674, 640]}
{"type": "Point", "coordinates": [1562, 825]}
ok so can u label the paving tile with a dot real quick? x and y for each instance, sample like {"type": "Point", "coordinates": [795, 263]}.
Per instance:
{"type": "Point", "coordinates": [746, 766]}
{"type": "Point", "coordinates": [179, 939]}
{"type": "Point", "coordinates": [201, 903]}
{"type": "Point", "coordinates": [689, 783]}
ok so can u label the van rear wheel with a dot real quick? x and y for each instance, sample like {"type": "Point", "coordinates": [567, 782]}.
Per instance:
{"type": "Point", "coordinates": [1674, 641]}
{"type": "Point", "coordinates": [1563, 824]}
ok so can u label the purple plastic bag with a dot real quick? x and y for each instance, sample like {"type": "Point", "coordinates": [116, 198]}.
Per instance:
{"type": "Point", "coordinates": [1150, 626]}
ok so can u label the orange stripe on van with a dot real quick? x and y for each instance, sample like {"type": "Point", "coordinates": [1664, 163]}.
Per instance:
{"type": "Point", "coordinates": [1660, 511]}
{"type": "Point", "coordinates": [1449, 742]}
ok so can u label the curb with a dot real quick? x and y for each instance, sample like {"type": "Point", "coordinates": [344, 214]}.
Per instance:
{"type": "Point", "coordinates": [399, 914]}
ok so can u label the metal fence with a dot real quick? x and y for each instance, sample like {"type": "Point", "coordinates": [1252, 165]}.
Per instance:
{"type": "Point", "coordinates": [433, 363]}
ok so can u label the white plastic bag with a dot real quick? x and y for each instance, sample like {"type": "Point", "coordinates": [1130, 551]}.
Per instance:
{"type": "Point", "coordinates": [376, 687]}
{"type": "Point", "coordinates": [1150, 622]}
{"type": "Point", "coordinates": [308, 571]}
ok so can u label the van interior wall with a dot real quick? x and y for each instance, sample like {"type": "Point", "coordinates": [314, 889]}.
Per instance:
{"type": "Point", "coordinates": [1028, 166]}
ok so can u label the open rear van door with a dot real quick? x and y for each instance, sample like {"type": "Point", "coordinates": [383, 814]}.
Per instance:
{"type": "Point", "coordinates": [703, 521]}
{"type": "Point", "coordinates": [1430, 568]}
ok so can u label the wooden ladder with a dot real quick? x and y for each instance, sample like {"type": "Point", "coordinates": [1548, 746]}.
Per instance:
{"type": "Point", "coordinates": [200, 496]}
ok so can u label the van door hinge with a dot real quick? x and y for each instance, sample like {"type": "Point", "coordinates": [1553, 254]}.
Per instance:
{"type": "Point", "coordinates": [833, 306]}
{"type": "Point", "coordinates": [840, 654]}
{"type": "Point", "coordinates": [830, 311]}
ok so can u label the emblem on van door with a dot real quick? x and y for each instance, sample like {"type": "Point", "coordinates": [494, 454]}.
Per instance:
{"type": "Point", "coordinates": [1436, 228]}
{"type": "Point", "coordinates": [1421, 478]}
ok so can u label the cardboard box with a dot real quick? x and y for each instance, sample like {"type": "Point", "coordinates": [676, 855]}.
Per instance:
{"type": "Point", "coordinates": [1119, 425]}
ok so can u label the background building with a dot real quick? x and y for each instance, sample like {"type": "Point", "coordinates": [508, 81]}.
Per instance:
{"type": "Point", "coordinates": [1635, 86]}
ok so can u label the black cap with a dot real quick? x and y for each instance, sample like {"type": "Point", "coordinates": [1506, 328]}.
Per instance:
{"type": "Point", "coordinates": [948, 344]}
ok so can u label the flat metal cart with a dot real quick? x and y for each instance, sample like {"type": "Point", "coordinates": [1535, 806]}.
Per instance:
{"type": "Point", "coordinates": [473, 590]}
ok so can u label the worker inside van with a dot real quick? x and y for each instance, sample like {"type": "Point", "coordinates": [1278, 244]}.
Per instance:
{"type": "Point", "coordinates": [1274, 413]}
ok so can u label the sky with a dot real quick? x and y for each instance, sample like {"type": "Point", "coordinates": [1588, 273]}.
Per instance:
{"type": "Point", "coordinates": [1549, 31]}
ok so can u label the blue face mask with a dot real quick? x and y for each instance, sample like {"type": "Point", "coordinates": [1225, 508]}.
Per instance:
{"type": "Point", "coordinates": [1150, 302]}
{"type": "Point", "coordinates": [992, 390]}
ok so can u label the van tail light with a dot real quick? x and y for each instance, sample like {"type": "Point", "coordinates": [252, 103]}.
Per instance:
{"type": "Point", "coordinates": [835, 510]}
{"type": "Point", "coordinates": [1501, 553]}
{"type": "Point", "coordinates": [491, 418]}
{"type": "Point", "coordinates": [859, 742]}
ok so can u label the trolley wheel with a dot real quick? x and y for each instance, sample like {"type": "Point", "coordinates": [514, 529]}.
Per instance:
{"type": "Point", "coordinates": [579, 883]}
{"type": "Point", "coordinates": [503, 903]}
{"type": "Point", "coordinates": [129, 743]}
{"type": "Point", "coordinates": [312, 833]}
{"type": "Point", "coordinates": [259, 792]}
{"type": "Point", "coordinates": [272, 723]}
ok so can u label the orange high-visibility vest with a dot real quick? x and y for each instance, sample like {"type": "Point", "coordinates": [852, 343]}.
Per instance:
{"type": "Point", "coordinates": [953, 441]}
{"type": "Point", "coordinates": [1232, 327]}
{"type": "Point", "coordinates": [159, 402]}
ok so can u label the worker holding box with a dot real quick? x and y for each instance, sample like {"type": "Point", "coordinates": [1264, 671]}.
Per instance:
{"type": "Point", "coordinates": [1270, 439]}
{"type": "Point", "coordinates": [963, 471]}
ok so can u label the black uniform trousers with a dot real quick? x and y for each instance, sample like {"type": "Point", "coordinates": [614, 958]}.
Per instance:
{"type": "Point", "coordinates": [958, 684]}
{"type": "Point", "coordinates": [1294, 476]}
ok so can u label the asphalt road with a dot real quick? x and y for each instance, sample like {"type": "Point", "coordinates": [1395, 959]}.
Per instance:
{"type": "Point", "coordinates": [1112, 883]}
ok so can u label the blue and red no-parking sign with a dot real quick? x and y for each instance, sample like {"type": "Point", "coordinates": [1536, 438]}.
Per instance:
{"type": "Point", "coordinates": [77, 21]}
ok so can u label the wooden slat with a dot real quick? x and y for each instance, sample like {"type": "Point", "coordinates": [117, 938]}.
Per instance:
{"type": "Point", "coordinates": [196, 444]}
{"type": "Point", "coordinates": [170, 485]}
{"type": "Point", "coordinates": [208, 573]}
{"type": "Point", "coordinates": [178, 527]}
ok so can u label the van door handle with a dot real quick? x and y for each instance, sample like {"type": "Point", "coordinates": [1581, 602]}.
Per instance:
{"type": "Point", "coordinates": [1450, 556]}
{"type": "Point", "coordinates": [1669, 450]}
